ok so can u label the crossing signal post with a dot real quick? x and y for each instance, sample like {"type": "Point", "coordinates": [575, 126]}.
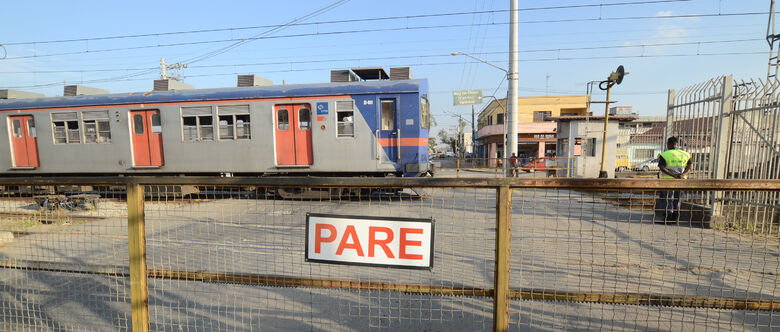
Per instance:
{"type": "Point", "coordinates": [616, 77]}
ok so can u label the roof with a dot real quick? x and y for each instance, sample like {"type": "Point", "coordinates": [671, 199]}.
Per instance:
{"type": "Point", "coordinates": [237, 93]}
{"type": "Point", "coordinates": [594, 118]}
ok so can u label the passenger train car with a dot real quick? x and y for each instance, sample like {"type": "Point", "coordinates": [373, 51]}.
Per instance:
{"type": "Point", "coordinates": [366, 128]}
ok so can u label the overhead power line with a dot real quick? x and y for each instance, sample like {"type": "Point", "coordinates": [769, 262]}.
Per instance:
{"type": "Point", "coordinates": [422, 64]}
{"type": "Point", "coordinates": [446, 26]}
{"type": "Point", "coordinates": [419, 56]}
{"type": "Point", "coordinates": [372, 19]}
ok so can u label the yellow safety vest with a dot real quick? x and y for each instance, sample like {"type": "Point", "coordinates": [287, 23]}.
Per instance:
{"type": "Point", "coordinates": [676, 160]}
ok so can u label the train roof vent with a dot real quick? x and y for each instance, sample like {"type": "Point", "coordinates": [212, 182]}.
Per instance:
{"type": "Point", "coordinates": [375, 73]}
{"type": "Point", "coordinates": [343, 75]}
{"type": "Point", "coordinates": [80, 90]}
{"type": "Point", "coordinates": [169, 84]}
{"type": "Point", "coordinates": [253, 80]}
{"type": "Point", "coordinates": [16, 94]}
{"type": "Point", "coordinates": [400, 73]}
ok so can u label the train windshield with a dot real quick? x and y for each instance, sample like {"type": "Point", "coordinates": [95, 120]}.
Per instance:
{"type": "Point", "coordinates": [425, 112]}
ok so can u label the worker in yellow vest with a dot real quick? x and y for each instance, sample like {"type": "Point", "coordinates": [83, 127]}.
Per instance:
{"type": "Point", "coordinates": [674, 163]}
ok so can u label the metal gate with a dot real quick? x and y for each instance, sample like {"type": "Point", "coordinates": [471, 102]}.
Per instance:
{"type": "Point", "coordinates": [731, 130]}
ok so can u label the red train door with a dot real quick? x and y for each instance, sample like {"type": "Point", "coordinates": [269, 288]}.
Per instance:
{"type": "Point", "coordinates": [147, 138]}
{"type": "Point", "coordinates": [293, 134]}
{"type": "Point", "coordinates": [23, 141]}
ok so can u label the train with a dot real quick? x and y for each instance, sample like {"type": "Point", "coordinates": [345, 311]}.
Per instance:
{"type": "Point", "coordinates": [357, 127]}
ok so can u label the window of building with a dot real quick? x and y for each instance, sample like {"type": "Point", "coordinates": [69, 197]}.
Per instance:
{"type": "Point", "coordinates": [499, 119]}
{"type": "Point", "coordinates": [345, 118]}
{"type": "Point", "coordinates": [234, 122]}
{"type": "Point", "coordinates": [643, 154]}
{"type": "Point", "coordinates": [197, 123]}
{"type": "Point", "coordinates": [563, 147]}
{"type": "Point", "coordinates": [66, 128]}
{"type": "Point", "coordinates": [96, 127]}
{"type": "Point", "coordinates": [590, 147]}
{"type": "Point", "coordinates": [540, 116]}
{"type": "Point", "coordinates": [425, 113]}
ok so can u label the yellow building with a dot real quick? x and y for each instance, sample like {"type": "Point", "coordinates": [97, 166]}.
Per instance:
{"type": "Point", "coordinates": [535, 134]}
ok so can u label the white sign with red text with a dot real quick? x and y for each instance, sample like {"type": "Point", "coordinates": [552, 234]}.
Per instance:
{"type": "Point", "coordinates": [397, 242]}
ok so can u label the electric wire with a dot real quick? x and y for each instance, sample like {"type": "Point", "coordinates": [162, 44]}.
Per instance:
{"type": "Point", "coordinates": [420, 56]}
{"type": "Point", "coordinates": [373, 19]}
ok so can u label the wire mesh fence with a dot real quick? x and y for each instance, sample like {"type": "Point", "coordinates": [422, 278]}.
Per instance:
{"type": "Point", "coordinates": [231, 254]}
{"type": "Point", "coordinates": [63, 259]}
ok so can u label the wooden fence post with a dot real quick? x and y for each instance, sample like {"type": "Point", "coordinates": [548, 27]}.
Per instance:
{"type": "Point", "coordinates": [501, 274]}
{"type": "Point", "coordinates": [136, 229]}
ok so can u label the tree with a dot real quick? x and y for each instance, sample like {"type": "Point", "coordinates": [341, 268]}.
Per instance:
{"type": "Point", "coordinates": [431, 144]}
{"type": "Point", "coordinates": [448, 139]}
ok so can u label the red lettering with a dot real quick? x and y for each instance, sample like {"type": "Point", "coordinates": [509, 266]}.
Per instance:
{"type": "Point", "coordinates": [404, 243]}
{"type": "Point", "coordinates": [350, 233]}
{"type": "Point", "coordinates": [372, 241]}
{"type": "Point", "coordinates": [318, 235]}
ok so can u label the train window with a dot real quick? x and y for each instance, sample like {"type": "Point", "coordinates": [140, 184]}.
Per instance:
{"type": "Point", "coordinates": [425, 113]}
{"type": "Point", "coordinates": [388, 115]}
{"type": "Point", "coordinates": [205, 128]}
{"type": "Point", "coordinates": [197, 123]}
{"type": "Point", "coordinates": [138, 124]}
{"type": "Point", "coordinates": [226, 127]}
{"type": "Point", "coordinates": [17, 124]}
{"type": "Point", "coordinates": [345, 117]}
{"type": "Point", "coordinates": [156, 125]}
{"type": "Point", "coordinates": [234, 127]}
{"type": "Point", "coordinates": [66, 128]}
{"type": "Point", "coordinates": [31, 128]}
{"type": "Point", "coordinates": [282, 119]}
{"type": "Point", "coordinates": [233, 122]}
{"type": "Point", "coordinates": [96, 127]}
{"type": "Point", "coordinates": [304, 119]}
{"type": "Point", "coordinates": [243, 130]}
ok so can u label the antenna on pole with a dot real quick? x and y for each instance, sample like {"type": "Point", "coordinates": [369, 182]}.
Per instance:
{"type": "Point", "coordinates": [771, 39]}
{"type": "Point", "coordinates": [546, 83]}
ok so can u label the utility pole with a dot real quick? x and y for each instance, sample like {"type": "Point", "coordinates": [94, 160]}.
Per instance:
{"type": "Point", "coordinates": [473, 134]}
{"type": "Point", "coordinates": [512, 77]}
{"type": "Point", "coordinates": [176, 67]}
{"type": "Point", "coordinates": [771, 39]}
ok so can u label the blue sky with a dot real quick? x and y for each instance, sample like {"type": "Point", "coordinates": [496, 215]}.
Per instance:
{"type": "Point", "coordinates": [572, 46]}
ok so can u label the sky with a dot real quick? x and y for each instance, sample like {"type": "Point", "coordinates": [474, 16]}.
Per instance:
{"type": "Point", "coordinates": [117, 45]}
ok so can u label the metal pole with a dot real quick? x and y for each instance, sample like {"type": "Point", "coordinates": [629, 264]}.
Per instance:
{"type": "Point", "coordinates": [603, 172]}
{"type": "Point", "coordinates": [512, 77]}
{"type": "Point", "coordinates": [473, 133]}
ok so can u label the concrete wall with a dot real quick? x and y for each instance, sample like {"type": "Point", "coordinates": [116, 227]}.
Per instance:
{"type": "Point", "coordinates": [585, 166]}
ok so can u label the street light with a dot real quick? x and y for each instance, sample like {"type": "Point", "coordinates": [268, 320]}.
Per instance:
{"type": "Point", "coordinates": [511, 120]}
{"type": "Point", "coordinates": [480, 60]}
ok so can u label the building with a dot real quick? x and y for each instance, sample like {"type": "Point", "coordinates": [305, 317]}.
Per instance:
{"type": "Point", "coordinates": [638, 142]}
{"type": "Point", "coordinates": [536, 132]}
{"type": "Point", "coordinates": [580, 141]}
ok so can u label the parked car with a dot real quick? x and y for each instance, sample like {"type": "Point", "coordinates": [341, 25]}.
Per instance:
{"type": "Point", "coordinates": [621, 163]}
{"type": "Point", "coordinates": [650, 165]}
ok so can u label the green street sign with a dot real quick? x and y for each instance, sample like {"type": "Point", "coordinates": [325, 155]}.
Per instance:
{"type": "Point", "coordinates": [467, 97]}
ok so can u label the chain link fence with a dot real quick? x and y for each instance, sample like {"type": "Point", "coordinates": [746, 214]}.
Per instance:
{"type": "Point", "coordinates": [230, 254]}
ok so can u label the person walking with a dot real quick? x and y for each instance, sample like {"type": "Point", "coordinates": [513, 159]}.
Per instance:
{"type": "Point", "coordinates": [514, 165]}
{"type": "Point", "coordinates": [674, 163]}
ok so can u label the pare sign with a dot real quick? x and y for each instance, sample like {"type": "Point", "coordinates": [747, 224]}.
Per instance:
{"type": "Point", "coordinates": [383, 241]}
